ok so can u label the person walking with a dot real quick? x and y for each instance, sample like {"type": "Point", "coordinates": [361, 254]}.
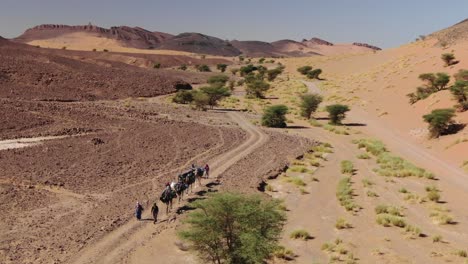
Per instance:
{"type": "Point", "coordinates": [207, 170]}
{"type": "Point", "coordinates": [138, 210]}
{"type": "Point", "coordinates": [154, 212]}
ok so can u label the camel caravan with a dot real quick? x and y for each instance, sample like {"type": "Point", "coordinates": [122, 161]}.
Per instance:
{"type": "Point", "coordinates": [173, 190]}
{"type": "Point", "coordinates": [183, 185]}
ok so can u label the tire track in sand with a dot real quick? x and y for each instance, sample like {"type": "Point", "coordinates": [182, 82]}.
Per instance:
{"type": "Point", "coordinates": [116, 245]}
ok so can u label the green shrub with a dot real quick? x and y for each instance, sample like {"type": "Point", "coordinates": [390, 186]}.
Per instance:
{"type": "Point", "coordinates": [273, 73]}
{"type": "Point", "coordinates": [341, 223]}
{"type": "Point", "coordinates": [448, 58]}
{"type": "Point", "coordinates": [222, 67]}
{"type": "Point", "coordinates": [183, 97]}
{"type": "Point", "coordinates": [218, 80]}
{"type": "Point", "coordinates": [274, 116]}
{"type": "Point", "coordinates": [460, 92]}
{"type": "Point", "coordinates": [347, 167]}
{"type": "Point", "coordinates": [337, 113]}
{"type": "Point", "coordinates": [256, 88]}
{"type": "Point", "coordinates": [215, 94]}
{"type": "Point", "coordinates": [304, 69]}
{"type": "Point", "coordinates": [344, 193]}
{"type": "Point", "coordinates": [363, 156]}
{"type": "Point", "coordinates": [244, 70]}
{"type": "Point", "coordinates": [314, 74]}
{"type": "Point", "coordinates": [439, 121]}
{"type": "Point", "coordinates": [309, 104]}
{"type": "Point", "coordinates": [203, 68]}
{"type": "Point", "coordinates": [200, 100]}
{"type": "Point", "coordinates": [300, 234]}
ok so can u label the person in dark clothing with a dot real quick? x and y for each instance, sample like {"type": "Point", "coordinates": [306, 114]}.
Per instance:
{"type": "Point", "coordinates": [138, 210]}
{"type": "Point", "coordinates": [207, 170]}
{"type": "Point", "coordinates": [155, 211]}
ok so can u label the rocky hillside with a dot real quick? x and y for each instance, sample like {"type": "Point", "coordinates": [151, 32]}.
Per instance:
{"type": "Point", "coordinates": [135, 37]}
{"type": "Point", "coordinates": [453, 34]}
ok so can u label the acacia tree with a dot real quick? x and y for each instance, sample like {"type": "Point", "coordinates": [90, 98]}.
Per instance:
{"type": "Point", "coordinates": [234, 228]}
{"type": "Point", "coordinates": [218, 80]}
{"type": "Point", "coordinates": [314, 74]}
{"type": "Point", "coordinates": [304, 69]}
{"type": "Point", "coordinates": [337, 113]}
{"type": "Point", "coordinates": [309, 104]}
{"type": "Point", "coordinates": [439, 121]}
{"type": "Point", "coordinates": [215, 93]}
{"type": "Point", "coordinates": [256, 88]}
{"type": "Point", "coordinates": [274, 116]}
{"type": "Point", "coordinates": [460, 92]}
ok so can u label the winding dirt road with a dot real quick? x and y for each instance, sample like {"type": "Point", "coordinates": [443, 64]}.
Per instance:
{"type": "Point", "coordinates": [117, 245]}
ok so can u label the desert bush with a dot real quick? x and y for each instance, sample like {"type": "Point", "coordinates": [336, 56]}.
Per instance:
{"type": "Point", "coordinates": [240, 82]}
{"type": "Point", "coordinates": [439, 121]}
{"type": "Point", "coordinates": [448, 58]}
{"type": "Point", "coordinates": [300, 234]}
{"type": "Point", "coordinates": [314, 74]}
{"type": "Point", "coordinates": [218, 80]}
{"type": "Point", "coordinates": [222, 67]}
{"type": "Point", "coordinates": [215, 94]}
{"type": "Point", "coordinates": [461, 75]}
{"type": "Point", "coordinates": [304, 69]}
{"type": "Point", "coordinates": [390, 220]}
{"type": "Point", "coordinates": [363, 156]}
{"type": "Point", "coordinates": [433, 196]}
{"type": "Point", "coordinates": [261, 60]}
{"type": "Point", "coordinates": [375, 147]}
{"type": "Point", "coordinates": [231, 85]}
{"type": "Point", "coordinates": [251, 236]}
{"type": "Point", "coordinates": [403, 190]}
{"type": "Point", "coordinates": [105, 50]}
{"type": "Point", "coordinates": [296, 181]}
{"type": "Point", "coordinates": [367, 183]}
{"type": "Point", "coordinates": [436, 239]}
{"type": "Point", "coordinates": [461, 253]}
{"type": "Point", "coordinates": [341, 223]}
{"type": "Point", "coordinates": [203, 68]}
{"type": "Point", "coordinates": [309, 104]}
{"type": "Point", "coordinates": [347, 167]}
{"type": "Point", "coordinates": [386, 209]}
{"type": "Point", "coordinates": [183, 97]}
{"type": "Point", "coordinates": [183, 67]}
{"type": "Point", "coordinates": [274, 116]}
{"type": "Point", "coordinates": [413, 231]}
{"type": "Point", "coordinates": [244, 70]}
{"type": "Point", "coordinates": [200, 100]}
{"type": "Point", "coordinates": [273, 73]}
{"type": "Point", "coordinates": [337, 113]}
{"type": "Point", "coordinates": [94, 50]}
{"type": "Point", "coordinates": [257, 88]}
{"type": "Point", "coordinates": [157, 65]}
{"type": "Point", "coordinates": [344, 193]}
{"type": "Point", "coordinates": [234, 71]}
{"type": "Point", "coordinates": [372, 194]}
{"type": "Point", "coordinates": [283, 253]}
{"type": "Point", "coordinates": [460, 92]}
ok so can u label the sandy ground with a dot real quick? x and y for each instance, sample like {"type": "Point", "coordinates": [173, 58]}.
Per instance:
{"type": "Point", "coordinates": [24, 142]}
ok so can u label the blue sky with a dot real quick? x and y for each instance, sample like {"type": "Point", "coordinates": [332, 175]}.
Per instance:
{"type": "Point", "coordinates": [385, 23]}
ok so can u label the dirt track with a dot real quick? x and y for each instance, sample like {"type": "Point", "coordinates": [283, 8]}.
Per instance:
{"type": "Point", "coordinates": [114, 246]}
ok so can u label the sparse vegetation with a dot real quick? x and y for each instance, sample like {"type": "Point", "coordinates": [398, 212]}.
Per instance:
{"type": "Point", "coordinates": [439, 121]}
{"type": "Point", "coordinates": [296, 181]}
{"type": "Point", "coordinates": [341, 223]}
{"type": "Point", "coordinates": [250, 237]}
{"type": "Point", "coordinates": [433, 193]}
{"type": "Point", "coordinates": [337, 113]}
{"type": "Point", "coordinates": [157, 65]}
{"type": "Point", "coordinates": [273, 73]}
{"type": "Point", "coordinates": [309, 104]}
{"type": "Point", "coordinates": [363, 156]}
{"type": "Point", "coordinates": [440, 216]}
{"type": "Point", "coordinates": [367, 183]}
{"type": "Point", "coordinates": [300, 234]}
{"type": "Point", "coordinates": [413, 231]}
{"type": "Point", "coordinates": [274, 116]}
{"type": "Point", "coordinates": [436, 239]}
{"type": "Point", "coordinates": [390, 165]}
{"type": "Point", "coordinates": [461, 253]}
{"type": "Point", "coordinates": [347, 167]}
{"type": "Point", "coordinates": [344, 193]}
{"type": "Point", "coordinates": [283, 253]}
{"type": "Point", "coordinates": [183, 67]}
